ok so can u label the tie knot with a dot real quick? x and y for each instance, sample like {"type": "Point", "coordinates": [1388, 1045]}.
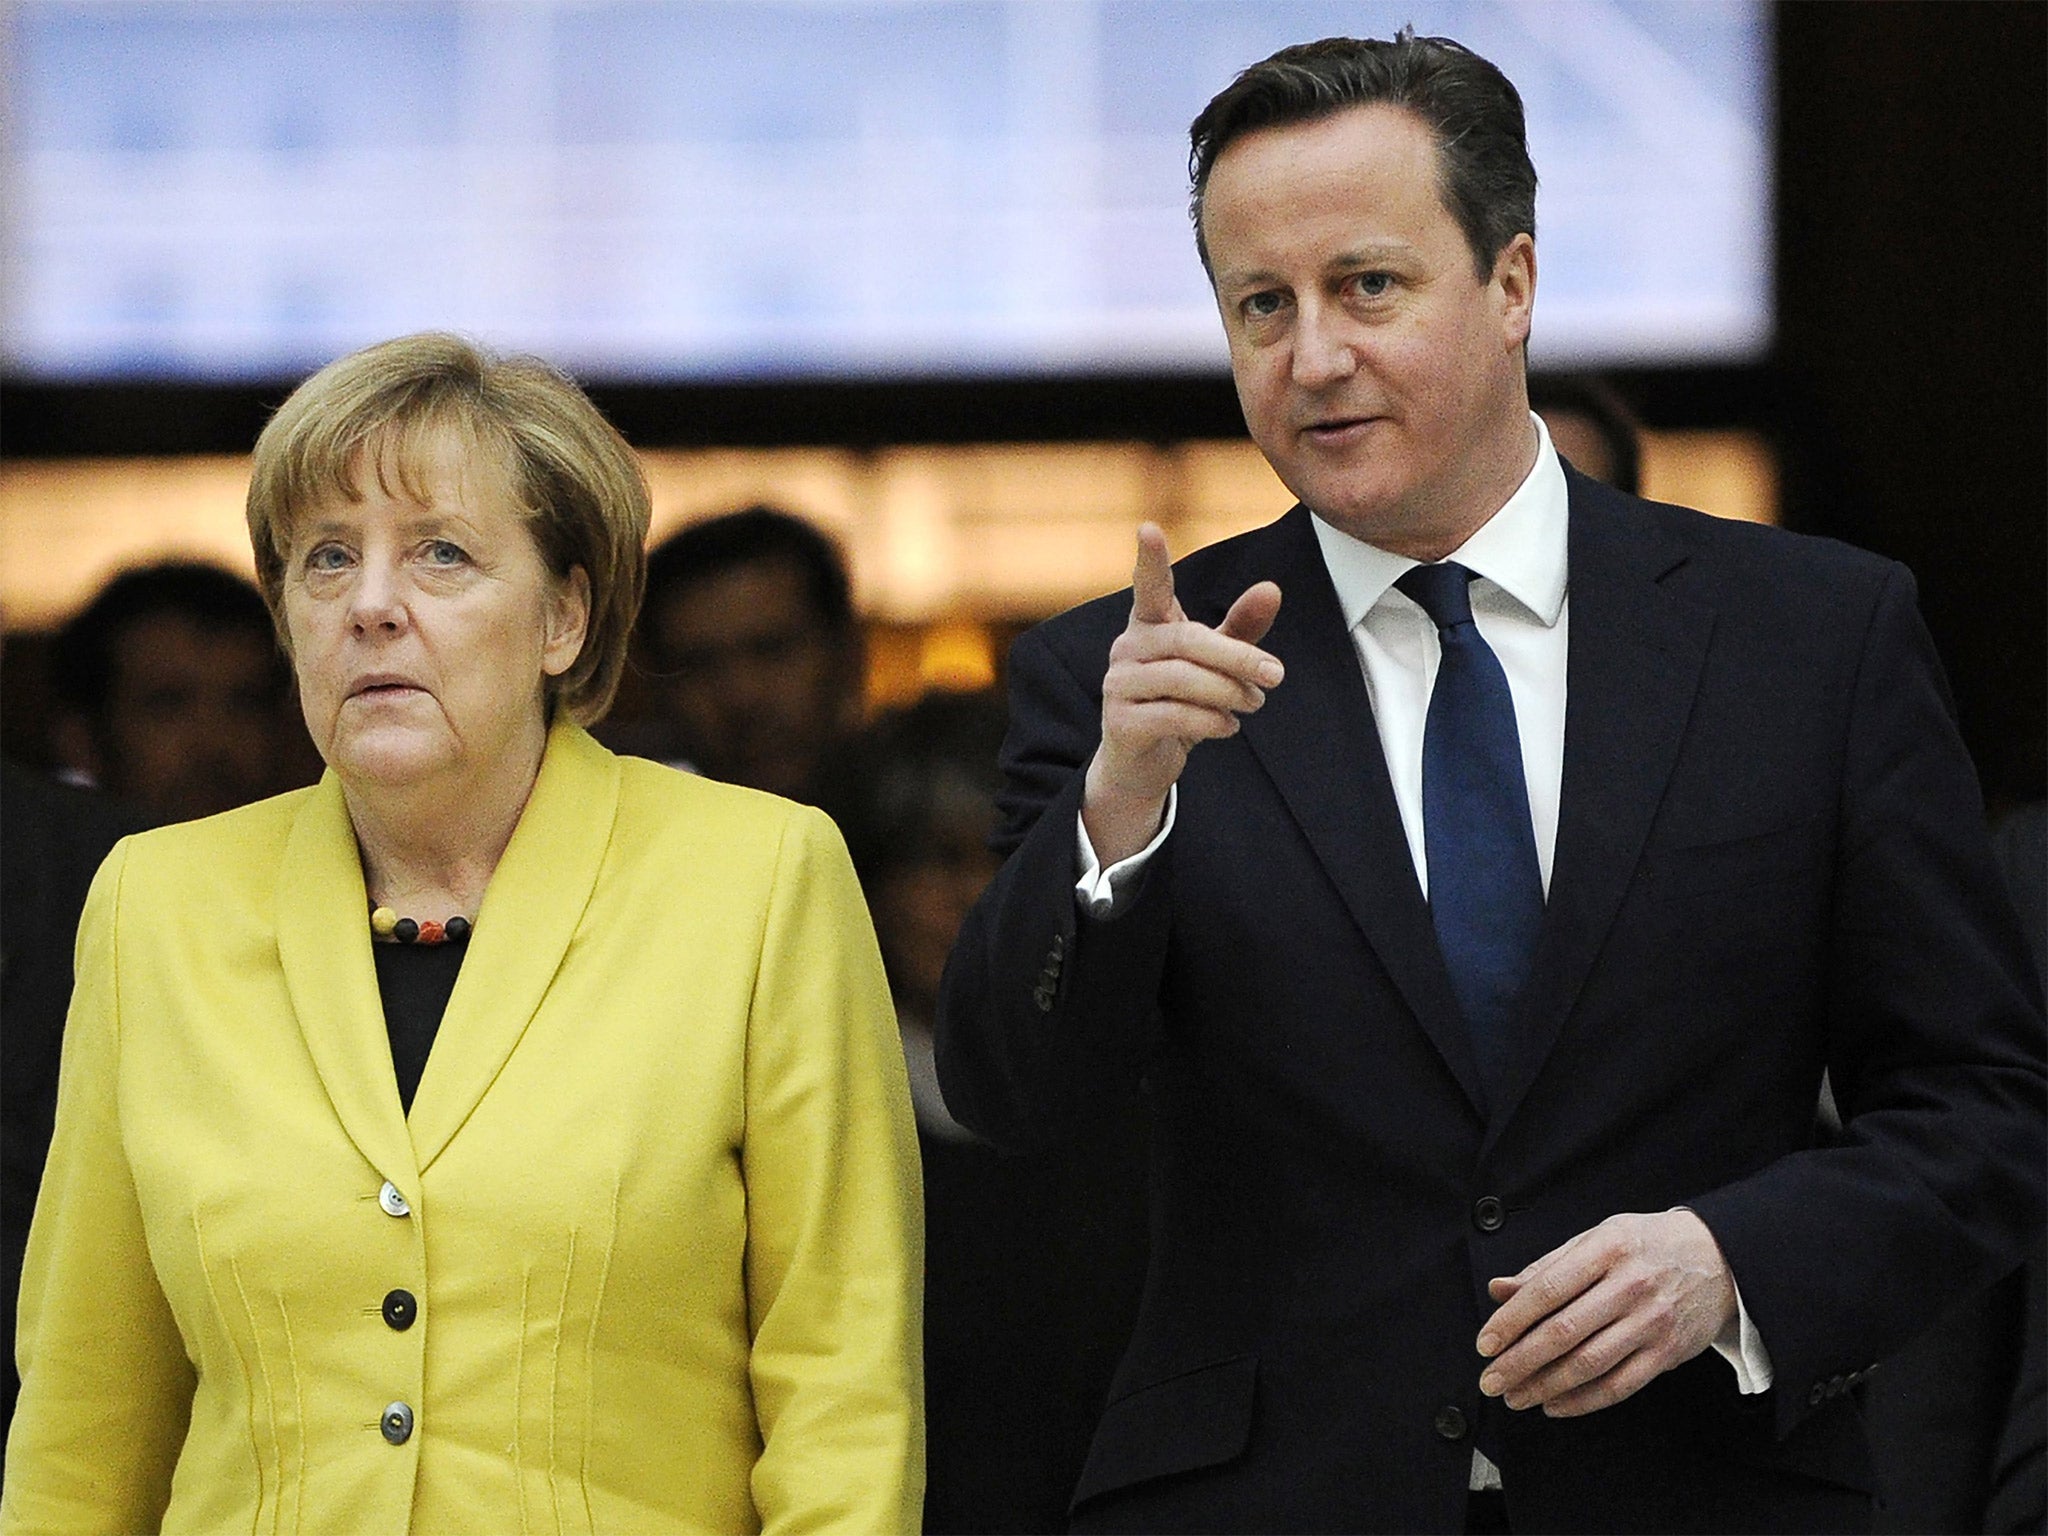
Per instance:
{"type": "Point", "coordinates": [1443, 590]}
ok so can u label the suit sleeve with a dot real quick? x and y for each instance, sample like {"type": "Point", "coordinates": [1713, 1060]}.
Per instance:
{"type": "Point", "coordinates": [106, 1385]}
{"type": "Point", "coordinates": [1935, 1047]}
{"type": "Point", "coordinates": [835, 1221]}
{"type": "Point", "coordinates": [1045, 1014]}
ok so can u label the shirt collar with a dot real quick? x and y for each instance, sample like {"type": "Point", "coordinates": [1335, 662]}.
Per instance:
{"type": "Point", "coordinates": [1520, 549]}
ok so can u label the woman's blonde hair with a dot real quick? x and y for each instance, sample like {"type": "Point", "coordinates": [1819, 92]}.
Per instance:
{"type": "Point", "coordinates": [379, 410]}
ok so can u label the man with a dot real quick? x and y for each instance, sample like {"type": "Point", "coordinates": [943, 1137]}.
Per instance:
{"type": "Point", "coordinates": [750, 633]}
{"type": "Point", "coordinates": [1482, 920]}
{"type": "Point", "coordinates": [176, 692]}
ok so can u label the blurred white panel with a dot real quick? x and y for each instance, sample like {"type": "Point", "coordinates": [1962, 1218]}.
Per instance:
{"type": "Point", "coordinates": [782, 188]}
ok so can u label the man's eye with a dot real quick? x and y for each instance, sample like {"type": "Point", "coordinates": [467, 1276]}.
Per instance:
{"type": "Point", "coordinates": [1262, 306]}
{"type": "Point", "coordinates": [1374, 284]}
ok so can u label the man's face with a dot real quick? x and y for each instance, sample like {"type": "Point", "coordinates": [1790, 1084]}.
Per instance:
{"type": "Point", "coordinates": [192, 717]}
{"type": "Point", "coordinates": [760, 688]}
{"type": "Point", "coordinates": [1379, 374]}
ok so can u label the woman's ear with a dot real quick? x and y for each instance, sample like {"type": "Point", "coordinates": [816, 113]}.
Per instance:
{"type": "Point", "coordinates": [568, 623]}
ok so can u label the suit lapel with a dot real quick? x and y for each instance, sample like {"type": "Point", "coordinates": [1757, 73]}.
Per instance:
{"type": "Point", "coordinates": [323, 945]}
{"type": "Point", "coordinates": [530, 913]}
{"type": "Point", "coordinates": [1636, 653]}
{"type": "Point", "coordinates": [1317, 740]}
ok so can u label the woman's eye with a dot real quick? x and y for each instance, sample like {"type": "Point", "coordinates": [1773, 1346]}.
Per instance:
{"type": "Point", "coordinates": [441, 552]}
{"type": "Point", "coordinates": [327, 557]}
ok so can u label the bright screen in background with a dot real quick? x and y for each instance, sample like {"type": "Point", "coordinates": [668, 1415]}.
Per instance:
{"type": "Point", "coordinates": [698, 189]}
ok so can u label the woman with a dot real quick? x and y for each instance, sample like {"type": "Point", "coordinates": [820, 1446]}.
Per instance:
{"type": "Point", "coordinates": [641, 1251]}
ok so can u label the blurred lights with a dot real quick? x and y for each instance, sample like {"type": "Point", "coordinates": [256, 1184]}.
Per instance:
{"type": "Point", "coordinates": [993, 533]}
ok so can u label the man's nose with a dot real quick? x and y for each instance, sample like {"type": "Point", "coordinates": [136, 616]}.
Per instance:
{"type": "Point", "coordinates": [1323, 352]}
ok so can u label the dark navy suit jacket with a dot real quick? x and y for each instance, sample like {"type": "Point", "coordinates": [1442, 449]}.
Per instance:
{"type": "Point", "coordinates": [1770, 860]}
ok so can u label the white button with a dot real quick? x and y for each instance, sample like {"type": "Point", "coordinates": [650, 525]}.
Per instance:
{"type": "Point", "coordinates": [392, 1201]}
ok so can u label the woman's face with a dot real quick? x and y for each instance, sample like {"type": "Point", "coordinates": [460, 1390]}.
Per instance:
{"type": "Point", "coordinates": [422, 632]}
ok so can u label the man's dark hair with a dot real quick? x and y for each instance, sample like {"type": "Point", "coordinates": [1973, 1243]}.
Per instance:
{"type": "Point", "coordinates": [82, 654]}
{"type": "Point", "coordinates": [756, 536]}
{"type": "Point", "coordinates": [1587, 395]}
{"type": "Point", "coordinates": [1482, 152]}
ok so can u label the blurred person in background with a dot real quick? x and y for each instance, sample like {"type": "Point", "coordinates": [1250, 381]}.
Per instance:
{"type": "Point", "coordinates": [174, 692]}
{"type": "Point", "coordinates": [1591, 427]}
{"type": "Point", "coordinates": [55, 837]}
{"type": "Point", "coordinates": [1955, 1418]}
{"type": "Point", "coordinates": [754, 652]}
{"type": "Point", "coordinates": [498, 1125]}
{"type": "Point", "coordinates": [2016, 1489]}
{"type": "Point", "coordinates": [1033, 1264]}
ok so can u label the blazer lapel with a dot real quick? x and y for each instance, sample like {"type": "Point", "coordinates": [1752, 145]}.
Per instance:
{"type": "Point", "coordinates": [530, 913]}
{"type": "Point", "coordinates": [1316, 739]}
{"type": "Point", "coordinates": [323, 946]}
{"type": "Point", "coordinates": [1636, 653]}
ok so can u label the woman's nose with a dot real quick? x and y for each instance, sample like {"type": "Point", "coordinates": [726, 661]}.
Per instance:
{"type": "Point", "coordinates": [375, 600]}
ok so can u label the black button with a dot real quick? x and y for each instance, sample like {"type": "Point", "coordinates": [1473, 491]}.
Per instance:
{"type": "Point", "coordinates": [396, 1425]}
{"type": "Point", "coordinates": [1059, 945]}
{"type": "Point", "coordinates": [1488, 1214]}
{"type": "Point", "coordinates": [1818, 1395]}
{"type": "Point", "coordinates": [400, 1309]}
{"type": "Point", "coordinates": [1450, 1422]}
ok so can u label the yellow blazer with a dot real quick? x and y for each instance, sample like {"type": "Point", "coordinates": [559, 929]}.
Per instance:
{"type": "Point", "coordinates": [659, 1188]}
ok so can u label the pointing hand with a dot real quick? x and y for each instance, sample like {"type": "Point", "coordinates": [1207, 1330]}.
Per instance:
{"type": "Point", "coordinates": [1171, 683]}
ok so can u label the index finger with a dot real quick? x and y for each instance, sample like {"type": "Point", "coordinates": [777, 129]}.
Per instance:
{"type": "Point", "coordinates": [1539, 1290]}
{"type": "Point", "coordinates": [1152, 599]}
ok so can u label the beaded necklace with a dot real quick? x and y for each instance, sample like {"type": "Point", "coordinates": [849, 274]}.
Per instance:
{"type": "Point", "coordinates": [387, 924]}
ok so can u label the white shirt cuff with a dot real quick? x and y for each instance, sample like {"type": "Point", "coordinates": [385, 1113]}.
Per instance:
{"type": "Point", "coordinates": [1102, 891]}
{"type": "Point", "coordinates": [1743, 1347]}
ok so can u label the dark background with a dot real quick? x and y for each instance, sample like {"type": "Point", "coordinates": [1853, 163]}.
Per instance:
{"type": "Point", "coordinates": [1907, 395]}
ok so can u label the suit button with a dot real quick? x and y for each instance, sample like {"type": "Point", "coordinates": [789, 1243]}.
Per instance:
{"type": "Point", "coordinates": [1488, 1214]}
{"type": "Point", "coordinates": [1450, 1422]}
{"type": "Point", "coordinates": [392, 1201]}
{"type": "Point", "coordinates": [400, 1309]}
{"type": "Point", "coordinates": [1818, 1395]}
{"type": "Point", "coordinates": [396, 1425]}
{"type": "Point", "coordinates": [1042, 996]}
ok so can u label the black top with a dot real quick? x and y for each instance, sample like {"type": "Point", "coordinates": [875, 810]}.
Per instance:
{"type": "Point", "coordinates": [415, 981]}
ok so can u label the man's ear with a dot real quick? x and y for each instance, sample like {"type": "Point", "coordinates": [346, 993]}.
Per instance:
{"type": "Point", "coordinates": [568, 622]}
{"type": "Point", "coordinates": [1514, 279]}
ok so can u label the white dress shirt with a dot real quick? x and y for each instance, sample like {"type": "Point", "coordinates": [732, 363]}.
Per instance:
{"type": "Point", "coordinates": [1521, 606]}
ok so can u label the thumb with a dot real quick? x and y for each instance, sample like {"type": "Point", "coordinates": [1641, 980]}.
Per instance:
{"type": "Point", "coordinates": [1252, 614]}
{"type": "Point", "coordinates": [1152, 600]}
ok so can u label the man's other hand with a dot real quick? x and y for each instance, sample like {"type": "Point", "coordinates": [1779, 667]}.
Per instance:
{"type": "Point", "coordinates": [1596, 1320]}
{"type": "Point", "coordinates": [1171, 683]}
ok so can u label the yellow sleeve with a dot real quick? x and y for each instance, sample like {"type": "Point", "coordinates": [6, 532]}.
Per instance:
{"type": "Point", "coordinates": [106, 1388]}
{"type": "Point", "coordinates": [835, 1220]}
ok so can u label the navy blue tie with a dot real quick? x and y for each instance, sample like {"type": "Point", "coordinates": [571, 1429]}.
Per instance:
{"type": "Point", "coordinates": [1485, 888]}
